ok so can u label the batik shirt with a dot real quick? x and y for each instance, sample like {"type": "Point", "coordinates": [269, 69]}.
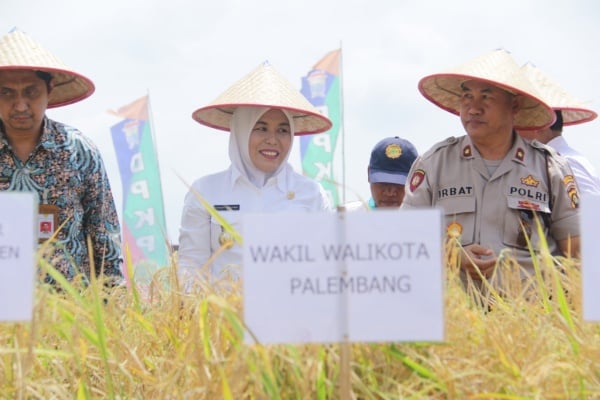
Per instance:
{"type": "Point", "coordinates": [66, 170]}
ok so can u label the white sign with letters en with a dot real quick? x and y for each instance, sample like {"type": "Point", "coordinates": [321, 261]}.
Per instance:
{"type": "Point", "coordinates": [590, 256]}
{"type": "Point", "coordinates": [18, 240]}
{"type": "Point", "coordinates": [357, 276]}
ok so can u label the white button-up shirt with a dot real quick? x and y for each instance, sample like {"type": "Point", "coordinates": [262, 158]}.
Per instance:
{"type": "Point", "coordinates": [232, 193]}
{"type": "Point", "coordinates": [584, 171]}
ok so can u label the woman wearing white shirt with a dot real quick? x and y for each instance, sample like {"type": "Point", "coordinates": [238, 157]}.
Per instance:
{"type": "Point", "coordinates": [263, 112]}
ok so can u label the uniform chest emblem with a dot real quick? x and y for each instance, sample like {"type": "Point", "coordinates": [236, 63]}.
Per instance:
{"type": "Point", "coordinates": [416, 179]}
{"type": "Point", "coordinates": [525, 204]}
{"type": "Point", "coordinates": [529, 180]}
{"type": "Point", "coordinates": [454, 229]}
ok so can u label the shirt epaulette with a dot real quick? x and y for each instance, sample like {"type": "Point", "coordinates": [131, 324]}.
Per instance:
{"type": "Point", "coordinates": [555, 156]}
{"type": "Point", "coordinates": [542, 147]}
{"type": "Point", "coordinates": [440, 145]}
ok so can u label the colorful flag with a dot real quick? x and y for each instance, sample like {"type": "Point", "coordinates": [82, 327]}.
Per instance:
{"type": "Point", "coordinates": [322, 87]}
{"type": "Point", "coordinates": [143, 218]}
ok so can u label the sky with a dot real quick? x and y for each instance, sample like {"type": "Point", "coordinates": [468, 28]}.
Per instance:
{"type": "Point", "coordinates": [183, 54]}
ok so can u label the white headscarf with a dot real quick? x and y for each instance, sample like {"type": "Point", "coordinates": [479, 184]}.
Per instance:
{"type": "Point", "coordinates": [241, 125]}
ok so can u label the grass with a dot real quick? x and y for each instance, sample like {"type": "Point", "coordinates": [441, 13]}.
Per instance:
{"type": "Point", "coordinates": [91, 342]}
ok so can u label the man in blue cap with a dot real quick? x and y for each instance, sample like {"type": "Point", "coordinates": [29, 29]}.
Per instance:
{"type": "Point", "coordinates": [390, 162]}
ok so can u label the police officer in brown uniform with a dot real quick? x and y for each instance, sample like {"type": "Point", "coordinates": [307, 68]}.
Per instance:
{"type": "Point", "coordinates": [490, 183]}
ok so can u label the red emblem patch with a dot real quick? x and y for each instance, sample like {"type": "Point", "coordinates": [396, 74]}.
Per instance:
{"type": "Point", "coordinates": [520, 154]}
{"type": "Point", "coordinates": [416, 179]}
{"type": "Point", "coordinates": [467, 151]}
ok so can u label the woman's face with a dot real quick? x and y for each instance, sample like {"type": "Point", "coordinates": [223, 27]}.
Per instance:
{"type": "Point", "coordinates": [270, 141]}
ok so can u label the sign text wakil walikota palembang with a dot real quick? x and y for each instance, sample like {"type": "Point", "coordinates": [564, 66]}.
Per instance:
{"type": "Point", "coordinates": [358, 252]}
{"type": "Point", "coordinates": [362, 276]}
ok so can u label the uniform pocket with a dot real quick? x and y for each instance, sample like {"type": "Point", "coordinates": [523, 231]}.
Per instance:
{"type": "Point", "coordinates": [521, 223]}
{"type": "Point", "coordinates": [459, 217]}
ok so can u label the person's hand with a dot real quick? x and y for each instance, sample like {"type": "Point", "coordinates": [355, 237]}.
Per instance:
{"type": "Point", "coordinates": [480, 256]}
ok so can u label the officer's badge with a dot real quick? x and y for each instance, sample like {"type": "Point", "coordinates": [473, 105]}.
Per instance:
{"type": "Point", "coordinates": [454, 229]}
{"type": "Point", "coordinates": [225, 239]}
{"type": "Point", "coordinates": [526, 204]}
{"type": "Point", "coordinates": [291, 195]}
{"type": "Point", "coordinates": [520, 154]}
{"type": "Point", "coordinates": [467, 152]}
{"type": "Point", "coordinates": [529, 180]}
{"type": "Point", "coordinates": [416, 179]}
{"type": "Point", "coordinates": [393, 151]}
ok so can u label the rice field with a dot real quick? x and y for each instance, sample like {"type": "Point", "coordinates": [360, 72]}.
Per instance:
{"type": "Point", "coordinates": [156, 342]}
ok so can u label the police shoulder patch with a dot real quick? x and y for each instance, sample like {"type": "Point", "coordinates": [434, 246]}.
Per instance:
{"type": "Point", "coordinates": [416, 179]}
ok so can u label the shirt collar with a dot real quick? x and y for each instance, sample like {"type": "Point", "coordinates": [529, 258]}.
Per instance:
{"type": "Point", "coordinates": [49, 137]}
{"type": "Point", "coordinates": [517, 152]}
{"type": "Point", "coordinates": [280, 180]}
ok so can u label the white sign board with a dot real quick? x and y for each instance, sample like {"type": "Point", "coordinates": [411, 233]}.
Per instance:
{"type": "Point", "coordinates": [357, 276]}
{"type": "Point", "coordinates": [590, 256]}
{"type": "Point", "coordinates": [18, 240]}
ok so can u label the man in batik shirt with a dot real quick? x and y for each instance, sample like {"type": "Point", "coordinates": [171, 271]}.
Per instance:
{"type": "Point", "coordinates": [55, 160]}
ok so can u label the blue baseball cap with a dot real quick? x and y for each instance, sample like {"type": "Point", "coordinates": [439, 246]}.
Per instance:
{"type": "Point", "coordinates": [391, 160]}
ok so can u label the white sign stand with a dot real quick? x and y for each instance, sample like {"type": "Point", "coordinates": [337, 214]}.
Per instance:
{"type": "Point", "coordinates": [590, 256]}
{"type": "Point", "coordinates": [18, 241]}
{"type": "Point", "coordinates": [360, 276]}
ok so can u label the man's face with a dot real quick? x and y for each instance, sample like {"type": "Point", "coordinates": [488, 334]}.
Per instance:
{"type": "Point", "coordinates": [387, 195]}
{"type": "Point", "coordinates": [486, 110]}
{"type": "Point", "coordinates": [23, 101]}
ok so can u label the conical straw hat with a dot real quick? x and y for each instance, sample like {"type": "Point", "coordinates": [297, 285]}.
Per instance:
{"type": "Point", "coordinates": [19, 51]}
{"type": "Point", "coordinates": [499, 69]}
{"type": "Point", "coordinates": [263, 87]}
{"type": "Point", "coordinates": [573, 110]}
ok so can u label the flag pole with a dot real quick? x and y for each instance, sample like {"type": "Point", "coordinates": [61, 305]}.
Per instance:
{"type": "Point", "coordinates": [342, 128]}
{"type": "Point", "coordinates": [345, 385]}
{"type": "Point", "coordinates": [162, 198]}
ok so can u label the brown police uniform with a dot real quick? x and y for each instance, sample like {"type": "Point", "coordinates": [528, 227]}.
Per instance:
{"type": "Point", "coordinates": [489, 210]}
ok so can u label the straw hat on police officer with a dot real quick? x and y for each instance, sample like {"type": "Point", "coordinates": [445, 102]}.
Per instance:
{"type": "Point", "coordinates": [572, 109]}
{"type": "Point", "coordinates": [497, 68]}
{"type": "Point", "coordinates": [18, 51]}
{"type": "Point", "coordinates": [263, 87]}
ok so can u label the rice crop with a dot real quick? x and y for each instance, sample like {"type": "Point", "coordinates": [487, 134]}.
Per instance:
{"type": "Point", "coordinates": [93, 341]}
